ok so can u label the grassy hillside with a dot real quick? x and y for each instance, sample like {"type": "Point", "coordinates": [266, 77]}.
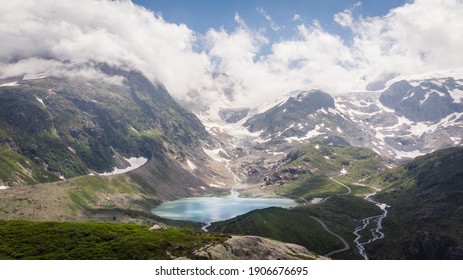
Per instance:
{"type": "Point", "coordinates": [284, 225]}
{"type": "Point", "coordinates": [16, 169]}
{"type": "Point", "coordinates": [426, 215]}
{"type": "Point", "coordinates": [320, 162]}
{"type": "Point", "coordinates": [341, 214]}
{"type": "Point", "coordinates": [82, 241]}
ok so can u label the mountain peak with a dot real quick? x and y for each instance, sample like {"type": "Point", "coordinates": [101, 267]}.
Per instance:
{"type": "Point", "coordinates": [424, 100]}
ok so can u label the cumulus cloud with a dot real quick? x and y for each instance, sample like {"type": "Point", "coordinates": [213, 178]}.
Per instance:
{"type": "Point", "coordinates": [37, 35]}
{"type": "Point", "coordinates": [48, 36]}
{"type": "Point", "coordinates": [422, 36]}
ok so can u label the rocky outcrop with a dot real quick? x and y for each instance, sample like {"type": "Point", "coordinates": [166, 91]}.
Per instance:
{"type": "Point", "coordinates": [233, 115]}
{"type": "Point", "coordinates": [255, 248]}
{"type": "Point", "coordinates": [284, 175]}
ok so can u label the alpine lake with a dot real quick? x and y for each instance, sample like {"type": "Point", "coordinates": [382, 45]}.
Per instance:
{"type": "Point", "coordinates": [213, 209]}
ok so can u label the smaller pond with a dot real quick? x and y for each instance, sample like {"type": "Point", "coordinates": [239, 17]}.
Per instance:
{"type": "Point", "coordinates": [213, 209]}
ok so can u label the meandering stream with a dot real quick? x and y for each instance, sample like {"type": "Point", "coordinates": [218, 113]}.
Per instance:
{"type": "Point", "coordinates": [375, 232]}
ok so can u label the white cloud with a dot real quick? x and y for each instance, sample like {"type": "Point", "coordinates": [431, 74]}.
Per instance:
{"type": "Point", "coordinates": [422, 36]}
{"type": "Point", "coordinates": [344, 18]}
{"type": "Point", "coordinates": [273, 25]}
{"type": "Point", "coordinates": [115, 32]}
{"type": "Point", "coordinates": [296, 17]}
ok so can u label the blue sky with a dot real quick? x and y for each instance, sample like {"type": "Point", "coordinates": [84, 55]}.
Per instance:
{"type": "Point", "coordinates": [201, 15]}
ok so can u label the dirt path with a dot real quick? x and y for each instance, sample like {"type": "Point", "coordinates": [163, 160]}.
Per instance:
{"type": "Point", "coordinates": [348, 189]}
{"type": "Point", "coordinates": [346, 245]}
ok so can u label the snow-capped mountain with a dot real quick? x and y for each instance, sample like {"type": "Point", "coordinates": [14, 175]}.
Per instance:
{"type": "Point", "coordinates": [425, 100]}
{"type": "Point", "coordinates": [409, 118]}
{"type": "Point", "coordinates": [302, 117]}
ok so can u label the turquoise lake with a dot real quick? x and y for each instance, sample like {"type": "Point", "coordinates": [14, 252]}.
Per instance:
{"type": "Point", "coordinates": [213, 209]}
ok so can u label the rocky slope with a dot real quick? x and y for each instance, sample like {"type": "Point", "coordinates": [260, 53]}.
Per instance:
{"type": "Point", "coordinates": [256, 248]}
{"type": "Point", "coordinates": [72, 126]}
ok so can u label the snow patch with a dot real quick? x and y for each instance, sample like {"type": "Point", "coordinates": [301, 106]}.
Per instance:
{"type": "Point", "coordinates": [457, 95]}
{"type": "Point", "coordinates": [4, 187]}
{"type": "Point", "coordinates": [384, 108]}
{"type": "Point", "coordinates": [11, 84]}
{"type": "Point", "coordinates": [310, 134]}
{"type": "Point", "coordinates": [428, 94]}
{"type": "Point", "coordinates": [215, 186]}
{"type": "Point", "coordinates": [134, 164]}
{"type": "Point", "coordinates": [214, 154]}
{"type": "Point", "coordinates": [41, 101]}
{"type": "Point", "coordinates": [191, 165]}
{"type": "Point", "coordinates": [275, 153]}
{"type": "Point", "coordinates": [408, 95]}
{"type": "Point", "coordinates": [314, 132]}
{"type": "Point", "coordinates": [456, 140]}
{"type": "Point", "coordinates": [381, 136]}
{"type": "Point", "coordinates": [333, 111]}
{"type": "Point", "coordinates": [322, 110]}
{"type": "Point", "coordinates": [411, 154]}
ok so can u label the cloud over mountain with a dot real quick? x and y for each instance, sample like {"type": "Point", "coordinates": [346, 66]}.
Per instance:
{"type": "Point", "coordinates": [49, 36]}
{"type": "Point", "coordinates": [38, 36]}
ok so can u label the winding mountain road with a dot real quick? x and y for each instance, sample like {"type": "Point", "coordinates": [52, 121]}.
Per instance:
{"type": "Point", "coordinates": [349, 191]}
{"type": "Point", "coordinates": [346, 245]}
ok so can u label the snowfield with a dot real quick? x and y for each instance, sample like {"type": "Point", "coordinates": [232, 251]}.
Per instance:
{"type": "Point", "coordinates": [134, 164]}
{"type": "Point", "coordinates": [12, 84]}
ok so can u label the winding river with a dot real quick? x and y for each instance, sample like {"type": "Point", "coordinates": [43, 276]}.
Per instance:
{"type": "Point", "coordinates": [375, 232]}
